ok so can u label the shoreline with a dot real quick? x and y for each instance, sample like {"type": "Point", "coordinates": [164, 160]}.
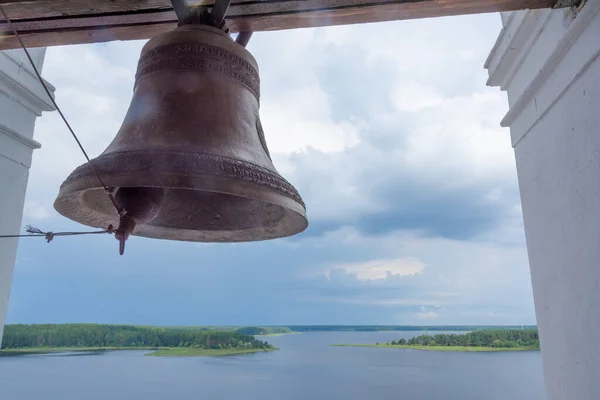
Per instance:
{"type": "Point", "coordinates": [155, 351]}
{"type": "Point", "coordinates": [193, 352]}
{"type": "Point", "coordinates": [442, 348]}
{"type": "Point", "coordinates": [46, 350]}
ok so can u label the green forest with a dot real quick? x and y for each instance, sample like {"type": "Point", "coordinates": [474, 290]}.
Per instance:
{"type": "Point", "coordinates": [498, 338]}
{"type": "Point", "coordinates": [97, 335]}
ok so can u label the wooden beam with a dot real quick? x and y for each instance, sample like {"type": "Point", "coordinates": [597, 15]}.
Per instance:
{"type": "Point", "coordinates": [61, 22]}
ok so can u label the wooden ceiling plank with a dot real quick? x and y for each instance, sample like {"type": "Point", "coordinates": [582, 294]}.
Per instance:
{"type": "Point", "coordinates": [255, 16]}
{"type": "Point", "coordinates": [75, 8]}
{"type": "Point", "coordinates": [148, 16]}
{"type": "Point", "coordinates": [33, 9]}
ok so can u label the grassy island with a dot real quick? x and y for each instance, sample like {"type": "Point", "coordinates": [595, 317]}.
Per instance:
{"type": "Point", "coordinates": [47, 338]}
{"type": "Point", "coordinates": [440, 348]}
{"type": "Point", "coordinates": [483, 340]}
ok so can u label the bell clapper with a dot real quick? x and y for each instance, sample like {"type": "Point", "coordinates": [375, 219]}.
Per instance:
{"type": "Point", "coordinates": [139, 205]}
{"type": "Point", "coordinates": [126, 226]}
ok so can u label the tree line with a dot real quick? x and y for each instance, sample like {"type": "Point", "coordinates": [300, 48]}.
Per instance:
{"type": "Point", "coordinates": [100, 335]}
{"type": "Point", "coordinates": [506, 338]}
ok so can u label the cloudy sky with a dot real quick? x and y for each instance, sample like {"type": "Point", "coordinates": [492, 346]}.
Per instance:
{"type": "Point", "coordinates": [390, 135]}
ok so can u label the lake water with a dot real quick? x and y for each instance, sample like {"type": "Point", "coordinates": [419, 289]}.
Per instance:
{"type": "Point", "coordinates": [306, 367]}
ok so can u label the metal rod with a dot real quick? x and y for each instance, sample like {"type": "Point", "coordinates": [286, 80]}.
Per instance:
{"type": "Point", "coordinates": [182, 10]}
{"type": "Point", "coordinates": [119, 209]}
{"type": "Point", "coordinates": [219, 9]}
{"type": "Point", "coordinates": [243, 38]}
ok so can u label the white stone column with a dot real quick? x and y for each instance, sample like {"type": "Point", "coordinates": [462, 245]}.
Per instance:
{"type": "Point", "coordinates": [22, 99]}
{"type": "Point", "coordinates": [548, 62]}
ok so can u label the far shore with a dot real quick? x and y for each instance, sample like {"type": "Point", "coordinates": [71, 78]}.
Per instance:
{"type": "Point", "coordinates": [441, 348]}
{"type": "Point", "coordinates": [278, 334]}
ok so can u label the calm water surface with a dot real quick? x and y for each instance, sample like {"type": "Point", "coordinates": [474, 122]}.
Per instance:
{"type": "Point", "coordinates": [306, 367]}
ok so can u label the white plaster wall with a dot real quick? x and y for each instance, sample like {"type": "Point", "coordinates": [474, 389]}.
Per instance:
{"type": "Point", "coordinates": [558, 164]}
{"type": "Point", "coordinates": [22, 99]}
{"type": "Point", "coordinates": [550, 66]}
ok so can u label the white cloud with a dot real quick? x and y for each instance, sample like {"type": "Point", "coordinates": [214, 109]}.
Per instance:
{"type": "Point", "coordinates": [427, 315]}
{"type": "Point", "coordinates": [300, 119]}
{"type": "Point", "coordinates": [413, 97]}
{"type": "Point", "coordinates": [370, 301]}
{"type": "Point", "coordinates": [431, 273]}
{"type": "Point", "coordinates": [459, 142]}
{"type": "Point", "coordinates": [35, 211]}
{"type": "Point", "coordinates": [382, 269]}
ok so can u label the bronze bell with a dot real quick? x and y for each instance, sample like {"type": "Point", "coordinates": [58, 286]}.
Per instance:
{"type": "Point", "coordinates": [190, 161]}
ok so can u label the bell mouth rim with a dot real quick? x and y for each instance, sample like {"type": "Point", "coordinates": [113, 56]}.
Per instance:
{"type": "Point", "coordinates": [197, 169]}
{"type": "Point", "coordinates": [219, 186]}
{"type": "Point", "coordinates": [158, 169]}
{"type": "Point", "coordinates": [293, 220]}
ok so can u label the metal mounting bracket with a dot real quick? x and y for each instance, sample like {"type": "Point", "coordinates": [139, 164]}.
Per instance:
{"type": "Point", "coordinates": [213, 14]}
